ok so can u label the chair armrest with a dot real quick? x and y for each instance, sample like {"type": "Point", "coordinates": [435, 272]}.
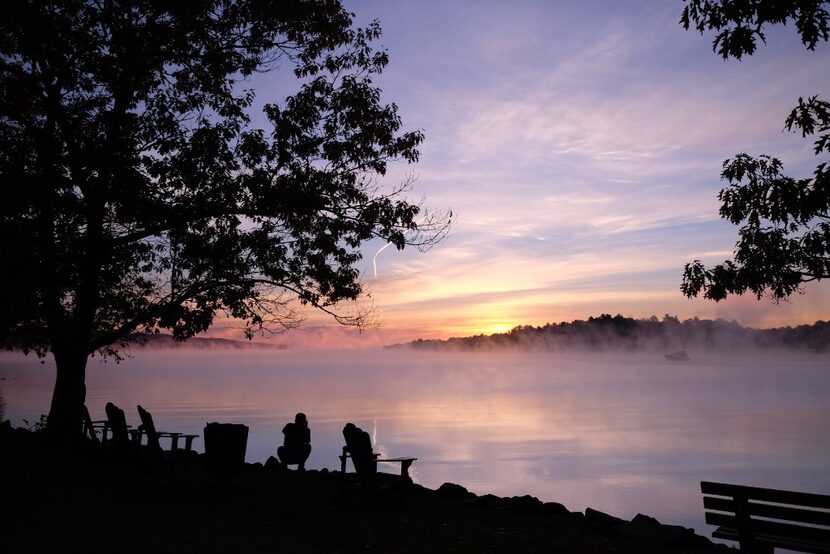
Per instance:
{"type": "Point", "coordinates": [175, 439]}
{"type": "Point", "coordinates": [349, 454]}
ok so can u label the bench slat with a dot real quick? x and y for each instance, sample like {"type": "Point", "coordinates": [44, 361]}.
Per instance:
{"type": "Point", "coordinates": [769, 510]}
{"type": "Point", "coordinates": [790, 531]}
{"type": "Point", "coordinates": [731, 534]}
{"type": "Point", "coordinates": [782, 530]}
{"type": "Point", "coordinates": [767, 495]}
{"type": "Point", "coordinates": [728, 533]}
{"type": "Point", "coordinates": [722, 520]}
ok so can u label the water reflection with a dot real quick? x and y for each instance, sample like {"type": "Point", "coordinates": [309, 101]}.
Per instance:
{"type": "Point", "coordinates": [623, 434]}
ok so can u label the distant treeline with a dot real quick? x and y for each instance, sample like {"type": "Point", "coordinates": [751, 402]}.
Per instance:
{"type": "Point", "coordinates": [167, 341]}
{"type": "Point", "coordinates": [608, 332]}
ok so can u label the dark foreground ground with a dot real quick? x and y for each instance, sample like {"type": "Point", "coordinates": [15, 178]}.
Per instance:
{"type": "Point", "coordinates": [102, 506]}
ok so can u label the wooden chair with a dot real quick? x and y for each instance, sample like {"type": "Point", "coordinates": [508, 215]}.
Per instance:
{"type": "Point", "coordinates": [89, 428]}
{"type": "Point", "coordinates": [359, 449]}
{"type": "Point", "coordinates": [148, 428]}
{"type": "Point", "coordinates": [116, 430]}
{"type": "Point", "coordinates": [116, 437]}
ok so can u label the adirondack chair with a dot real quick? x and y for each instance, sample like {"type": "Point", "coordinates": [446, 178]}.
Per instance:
{"type": "Point", "coordinates": [89, 428]}
{"type": "Point", "coordinates": [359, 449]}
{"type": "Point", "coordinates": [148, 428]}
{"type": "Point", "coordinates": [116, 431]}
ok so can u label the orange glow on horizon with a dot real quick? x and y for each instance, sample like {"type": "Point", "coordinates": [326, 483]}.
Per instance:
{"type": "Point", "coordinates": [442, 314]}
{"type": "Point", "coordinates": [491, 328]}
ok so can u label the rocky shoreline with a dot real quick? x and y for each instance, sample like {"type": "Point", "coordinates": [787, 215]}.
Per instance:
{"type": "Point", "coordinates": [98, 506]}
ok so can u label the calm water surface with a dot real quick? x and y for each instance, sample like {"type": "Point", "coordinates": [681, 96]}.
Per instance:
{"type": "Point", "coordinates": [623, 433]}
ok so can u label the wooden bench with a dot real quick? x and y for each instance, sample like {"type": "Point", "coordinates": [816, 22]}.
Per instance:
{"type": "Point", "coordinates": [405, 462]}
{"type": "Point", "coordinates": [762, 519]}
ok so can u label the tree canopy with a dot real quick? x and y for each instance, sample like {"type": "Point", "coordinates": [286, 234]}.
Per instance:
{"type": "Point", "coordinates": [138, 196]}
{"type": "Point", "coordinates": [739, 24]}
{"type": "Point", "coordinates": [784, 238]}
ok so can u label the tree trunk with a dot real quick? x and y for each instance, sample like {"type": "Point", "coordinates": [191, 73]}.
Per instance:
{"type": "Point", "coordinates": [66, 413]}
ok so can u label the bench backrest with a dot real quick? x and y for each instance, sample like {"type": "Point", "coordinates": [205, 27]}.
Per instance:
{"type": "Point", "coordinates": [768, 515]}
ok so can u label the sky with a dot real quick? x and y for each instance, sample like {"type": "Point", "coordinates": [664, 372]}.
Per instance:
{"type": "Point", "coordinates": [579, 145]}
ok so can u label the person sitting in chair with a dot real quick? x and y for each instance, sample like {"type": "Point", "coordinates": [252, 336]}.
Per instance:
{"type": "Point", "coordinates": [297, 443]}
{"type": "Point", "coordinates": [359, 447]}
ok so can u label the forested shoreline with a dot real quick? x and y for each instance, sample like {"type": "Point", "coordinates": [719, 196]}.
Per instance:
{"type": "Point", "coordinates": [607, 332]}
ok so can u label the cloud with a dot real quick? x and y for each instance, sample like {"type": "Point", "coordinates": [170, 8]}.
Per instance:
{"type": "Point", "coordinates": [580, 147]}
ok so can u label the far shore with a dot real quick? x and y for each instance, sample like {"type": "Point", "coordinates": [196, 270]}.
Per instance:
{"type": "Point", "coordinates": [100, 506]}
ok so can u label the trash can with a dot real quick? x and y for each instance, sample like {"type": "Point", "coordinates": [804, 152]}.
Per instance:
{"type": "Point", "coordinates": [225, 445]}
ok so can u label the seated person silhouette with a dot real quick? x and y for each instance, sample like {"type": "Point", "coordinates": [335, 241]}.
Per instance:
{"type": "Point", "coordinates": [359, 447]}
{"type": "Point", "coordinates": [297, 443]}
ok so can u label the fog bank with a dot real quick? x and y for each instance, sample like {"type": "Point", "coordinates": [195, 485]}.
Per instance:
{"type": "Point", "coordinates": [623, 333]}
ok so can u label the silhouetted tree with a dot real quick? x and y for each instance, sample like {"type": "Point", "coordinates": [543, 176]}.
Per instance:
{"type": "Point", "coordinates": [784, 238]}
{"type": "Point", "coordinates": [137, 195]}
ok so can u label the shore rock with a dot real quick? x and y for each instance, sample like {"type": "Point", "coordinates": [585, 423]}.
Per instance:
{"type": "Point", "coordinates": [555, 509]}
{"type": "Point", "coordinates": [653, 532]}
{"type": "Point", "coordinates": [451, 491]}
{"type": "Point", "coordinates": [601, 519]}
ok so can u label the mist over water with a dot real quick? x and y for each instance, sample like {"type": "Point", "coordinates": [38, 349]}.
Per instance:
{"type": "Point", "coordinates": [620, 432]}
{"type": "Point", "coordinates": [615, 333]}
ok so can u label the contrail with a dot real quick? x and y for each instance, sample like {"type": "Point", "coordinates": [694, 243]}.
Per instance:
{"type": "Point", "coordinates": [375, 259]}
{"type": "Point", "coordinates": [385, 246]}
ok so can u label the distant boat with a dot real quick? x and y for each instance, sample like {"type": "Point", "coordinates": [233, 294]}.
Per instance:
{"type": "Point", "coordinates": [679, 356]}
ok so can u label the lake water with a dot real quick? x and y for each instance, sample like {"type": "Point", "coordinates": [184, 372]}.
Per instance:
{"type": "Point", "coordinates": [622, 433]}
